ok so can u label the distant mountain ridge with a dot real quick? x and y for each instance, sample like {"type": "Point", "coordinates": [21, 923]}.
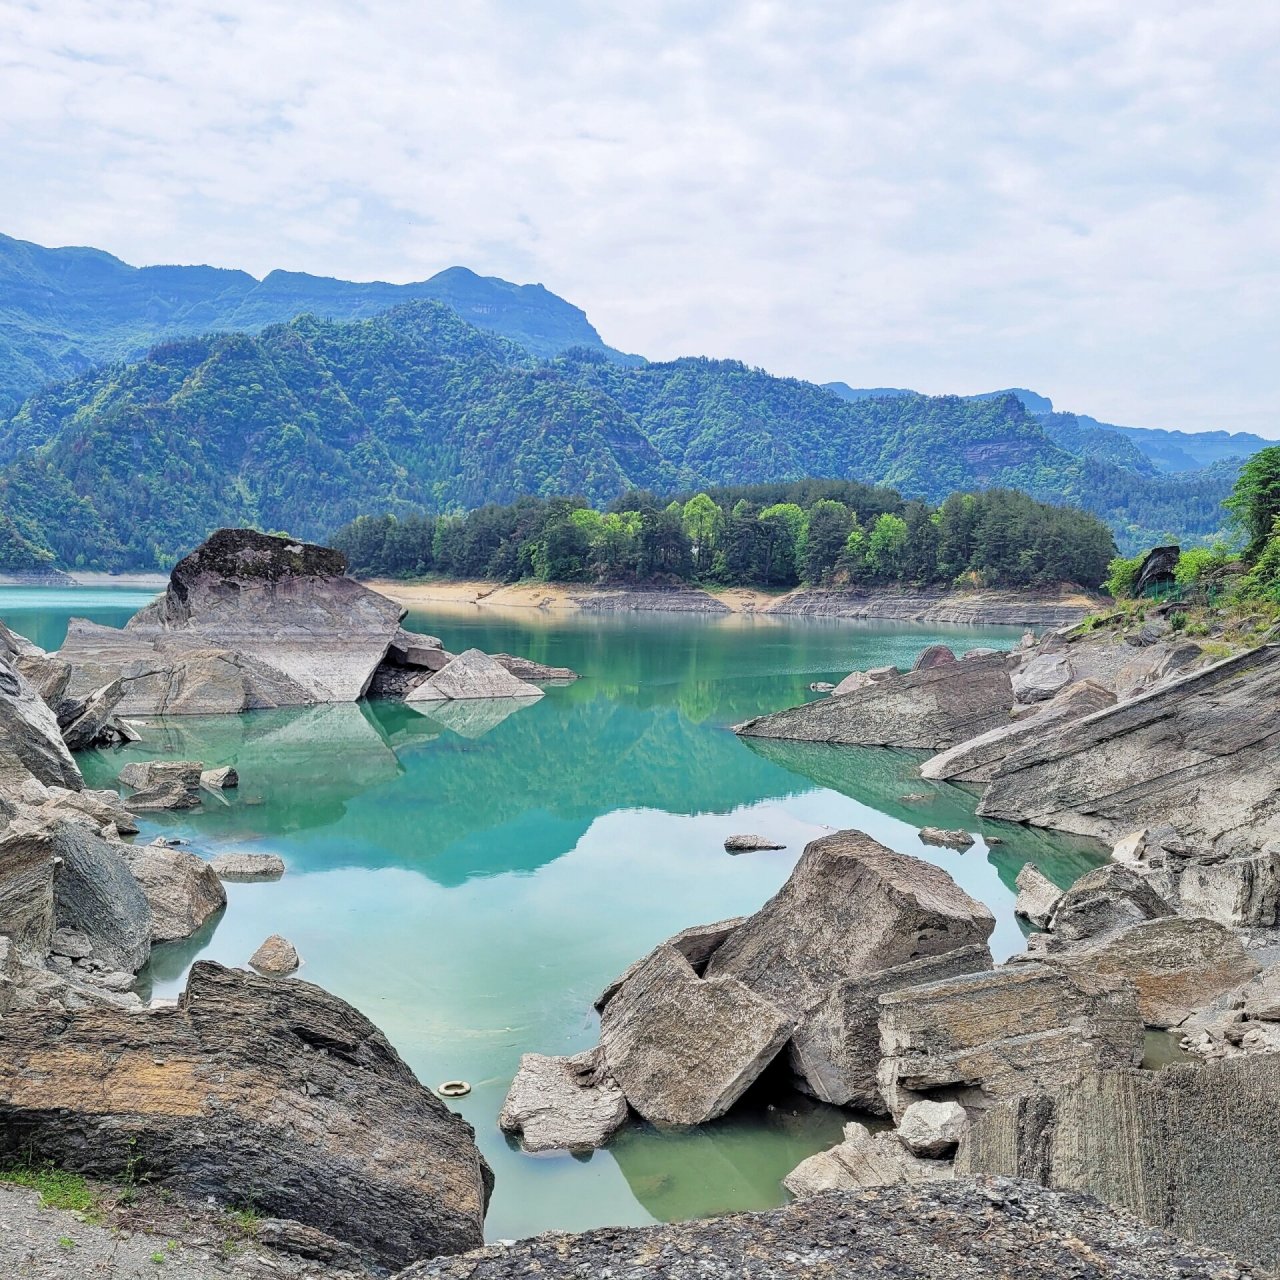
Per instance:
{"type": "Point", "coordinates": [309, 423]}
{"type": "Point", "coordinates": [63, 311]}
{"type": "Point", "coordinates": [1167, 451]}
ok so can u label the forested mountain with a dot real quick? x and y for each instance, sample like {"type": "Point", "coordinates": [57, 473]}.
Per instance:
{"type": "Point", "coordinates": [311, 423]}
{"type": "Point", "coordinates": [64, 310]}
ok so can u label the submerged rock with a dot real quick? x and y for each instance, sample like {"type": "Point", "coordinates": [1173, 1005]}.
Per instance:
{"type": "Point", "coordinates": [979, 1229]}
{"type": "Point", "coordinates": [935, 707]}
{"type": "Point", "coordinates": [987, 1036]}
{"type": "Point", "coordinates": [563, 1104]}
{"type": "Point", "coordinates": [945, 839]}
{"type": "Point", "coordinates": [473, 674]}
{"type": "Point", "coordinates": [862, 1160]}
{"type": "Point", "coordinates": [1191, 1149]}
{"type": "Point", "coordinates": [248, 620]}
{"type": "Point", "coordinates": [251, 1091]}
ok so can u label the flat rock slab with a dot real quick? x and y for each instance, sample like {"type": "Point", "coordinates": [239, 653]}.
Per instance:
{"type": "Point", "coordinates": [1201, 752]}
{"type": "Point", "coordinates": [750, 844]}
{"type": "Point", "coordinates": [563, 1104]}
{"type": "Point", "coordinates": [850, 908]}
{"type": "Point", "coordinates": [684, 1049]}
{"type": "Point", "coordinates": [236, 867]}
{"type": "Point", "coordinates": [251, 1091]}
{"type": "Point", "coordinates": [988, 1036]}
{"type": "Point", "coordinates": [1191, 1149]}
{"type": "Point", "coordinates": [934, 708]}
{"type": "Point", "coordinates": [975, 1229]}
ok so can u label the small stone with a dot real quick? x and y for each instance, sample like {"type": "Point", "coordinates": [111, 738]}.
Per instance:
{"type": "Point", "coordinates": [932, 1128]}
{"type": "Point", "coordinates": [220, 779]}
{"type": "Point", "coordinates": [945, 839]}
{"type": "Point", "coordinates": [750, 844]}
{"type": "Point", "coordinates": [275, 957]}
{"type": "Point", "coordinates": [234, 867]}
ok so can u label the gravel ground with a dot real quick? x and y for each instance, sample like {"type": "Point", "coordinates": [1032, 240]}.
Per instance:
{"type": "Point", "coordinates": [159, 1241]}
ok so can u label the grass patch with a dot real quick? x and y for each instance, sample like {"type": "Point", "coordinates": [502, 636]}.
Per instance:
{"type": "Point", "coordinates": [58, 1189]}
{"type": "Point", "coordinates": [246, 1220]}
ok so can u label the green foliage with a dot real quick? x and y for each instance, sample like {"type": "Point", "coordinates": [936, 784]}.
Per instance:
{"type": "Point", "coordinates": [1255, 500]}
{"type": "Point", "coordinates": [1122, 576]}
{"type": "Point", "coordinates": [1262, 582]}
{"type": "Point", "coordinates": [1195, 564]}
{"type": "Point", "coordinates": [414, 412]}
{"type": "Point", "coordinates": [728, 536]}
{"type": "Point", "coordinates": [57, 1188]}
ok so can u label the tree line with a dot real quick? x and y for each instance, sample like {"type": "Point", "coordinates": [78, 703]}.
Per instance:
{"type": "Point", "coordinates": [812, 533]}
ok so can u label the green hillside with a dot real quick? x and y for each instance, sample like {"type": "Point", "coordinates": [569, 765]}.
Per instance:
{"type": "Point", "coordinates": [311, 423]}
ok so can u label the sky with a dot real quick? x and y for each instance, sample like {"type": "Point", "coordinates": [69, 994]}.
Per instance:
{"type": "Point", "coordinates": [949, 195]}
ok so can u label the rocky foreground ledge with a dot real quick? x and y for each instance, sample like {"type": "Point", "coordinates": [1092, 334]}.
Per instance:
{"type": "Point", "coordinates": [986, 1229]}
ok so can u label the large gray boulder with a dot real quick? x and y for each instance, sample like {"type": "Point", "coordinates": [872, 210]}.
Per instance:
{"type": "Point", "coordinates": [986, 1229]}
{"type": "Point", "coordinates": [1242, 891]}
{"type": "Point", "coordinates": [248, 620]}
{"type": "Point", "coordinates": [182, 891]}
{"type": "Point", "coordinates": [563, 1104]}
{"type": "Point", "coordinates": [986, 1036]}
{"type": "Point", "coordinates": [696, 943]}
{"type": "Point", "coordinates": [684, 1048]}
{"type": "Point", "coordinates": [850, 908]}
{"type": "Point", "coordinates": [1177, 965]}
{"type": "Point", "coordinates": [1190, 1149]}
{"type": "Point", "coordinates": [1105, 901]}
{"type": "Point", "coordinates": [88, 727]}
{"type": "Point", "coordinates": [1042, 677]}
{"type": "Point", "coordinates": [31, 744]}
{"type": "Point", "coordinates": [863, 1159]}
{"type": "Point", "coordinates": [472, 674]}
{"type": "Point", "coordinates": [254, 1092]}
{"type": "Point", "coordinates": [978, 759]}
{"type": "Point", "coordinates": [834, 1052]}
{"type": "Point", "coordinates": [1201, 752]}
{"type": "Point", "coordinates": [934, 708]}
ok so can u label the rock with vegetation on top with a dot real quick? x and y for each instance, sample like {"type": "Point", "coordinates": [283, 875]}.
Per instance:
{"type": "Point", "coordinates": [977, 759]}
{"type": "Point", "coordinates": [1178, 965]}
{"type": "Point", "coordinates": [235, 867]}
{"type": "Point", "coordinates": [834, 1052]}
{"type": "Point", "coordinates": [1190, 1149]}
{"type": "Point", "coordinates": [945, 839]}
{"type": "Point", "coordinates": [473, 674]}
{"type": "Point", "coordinates": [563, 1104]}
{"type": "Point", "coordinates": [182, 890]}
{"type": "Point", "coordinates": [987, 1036]}
{"type": "Point", "coordinates": [863, 1159]}
{"type": "Point", "coordinates": [277, 956]}
{"type": "Point", "coordinates": [1105, 901]}
{"type": "Point", "coordinates": [684, 1048]}
{"type": "Point", "coordinates": [934, 708]}
{"type": "Point", "coordinates": [252, 1091]}
{"type": "Point", "coordinates": [971, 1229]}
{"type": "Point", "coordinates": [31, 745]}
{"type": "Point", "coordinates": [1201, 752]}
{"type": "Point", "coordinates": [1037, 895]}
{"type": "Point", "coordinates": [850, 908]}
{"type": "Point", "coordinates": [248, 620]}
{"type": "Point", "coordinates": [750, 844]}
{"type": "Point", "coordinates": [932, 1129]}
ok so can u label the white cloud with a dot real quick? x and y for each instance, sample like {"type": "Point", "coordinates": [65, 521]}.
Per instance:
{"type": "Point", "coordinates": [1079, 197]}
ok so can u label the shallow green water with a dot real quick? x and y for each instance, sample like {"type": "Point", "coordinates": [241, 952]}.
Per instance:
{"type": "Point", "coordinates": [472, 885]}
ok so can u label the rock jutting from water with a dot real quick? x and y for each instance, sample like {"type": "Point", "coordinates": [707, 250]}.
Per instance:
{"type": "Point", "coordinates": [472, 674]}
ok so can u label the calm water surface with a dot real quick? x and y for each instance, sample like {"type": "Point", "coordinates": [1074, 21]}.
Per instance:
{"type": "Point", "coordinates": [472, 877]}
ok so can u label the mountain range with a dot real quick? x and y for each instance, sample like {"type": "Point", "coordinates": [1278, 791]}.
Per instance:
{"type": "Point", "coordinates": [298, 402]}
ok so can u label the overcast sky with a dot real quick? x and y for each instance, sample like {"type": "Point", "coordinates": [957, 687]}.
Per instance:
{"type": "Point", "coordinates": [950, 195]}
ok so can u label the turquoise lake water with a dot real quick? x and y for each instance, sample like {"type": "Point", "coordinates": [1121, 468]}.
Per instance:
{"type": "Point", "coordinates": [472, 878]}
